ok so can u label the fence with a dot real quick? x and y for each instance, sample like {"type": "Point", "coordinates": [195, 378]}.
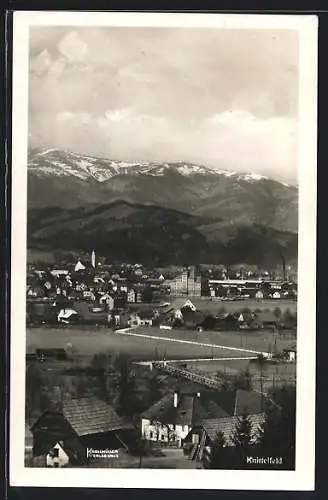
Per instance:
{"type": "Point", "coordinates": [194, 377]}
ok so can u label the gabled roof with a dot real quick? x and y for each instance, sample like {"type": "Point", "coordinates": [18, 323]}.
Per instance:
{"type": "Point", "coordinates": [227, 426]}
{"type": "Point", "coordinates": [249, 402]}
{"type": "Point", "coordinates": [190, 409]}
{"type": "Point", "coordinates": [92, 416]}
{"type": "Point", "coordinates": [179, 303]}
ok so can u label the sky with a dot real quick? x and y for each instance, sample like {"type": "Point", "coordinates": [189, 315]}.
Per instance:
{"type": "Point", "coordinates": [226, 98]}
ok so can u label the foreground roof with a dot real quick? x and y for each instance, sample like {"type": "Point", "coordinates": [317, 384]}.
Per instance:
{"type": "Point", "coordinates": [190, 409]}
{"type": "Point", "coordinates": [249, 402]}
{"type": "Point", "coordinates": [92, 416]}
{"type": "Point", "coordinates": [227, 426]}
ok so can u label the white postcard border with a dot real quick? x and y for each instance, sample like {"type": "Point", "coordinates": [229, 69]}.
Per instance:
{"type": "Point", "coordinates": [303, 477]}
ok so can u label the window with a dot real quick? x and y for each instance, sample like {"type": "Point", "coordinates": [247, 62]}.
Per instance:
{"type": "Point", "coordinates": [151, 435]}
{"type": "Point", "coordinates": [54, 453]}
{"type": "Point", "coordinates": [162, 437]}
{"type": "Point", "coordinates": [195, 439]}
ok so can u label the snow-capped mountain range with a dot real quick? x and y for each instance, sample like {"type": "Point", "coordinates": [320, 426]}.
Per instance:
{"type": "Point", "coordinates": [54, 162]}
{"type": "Point", "coordinates": [69, 180]}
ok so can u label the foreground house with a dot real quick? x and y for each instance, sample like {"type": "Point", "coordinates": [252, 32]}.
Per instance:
{"type": "Point", "coordinates": [170, 419]}
{"type": "Point", "coordinates": [63, 436]}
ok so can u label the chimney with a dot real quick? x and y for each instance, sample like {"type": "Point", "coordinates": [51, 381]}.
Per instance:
{"type": "Point", "coordinates": [175, 400]}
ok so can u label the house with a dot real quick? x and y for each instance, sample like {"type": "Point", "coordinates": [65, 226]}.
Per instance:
{"type": "Point", "coordinates": [276, 295]}
{"type": "Point", "coordinates": [47, 284]}
{"type": "Point", "coordinates": [59, 272]}
{"type": "Point", "coordinates": [290, 354]}
{"type": "Point", "coordinates": [143, 318]}
{"type": "Point", "coordinates": [67, 316]}
{"type": "Point", "coordinates": [227, 321]}
{"type": "Point", "coordinates": [179, 305]}
{"type": "Point", "coordinates": [57, 457]}
{"type": "Point", "coordinates": [185, 283]}
{"type": "Point", "coordinates": [114, 318]}
{"type": "Point", "coordinates": [98, 280]}
{"type": "Point", "coordinates": [36, 291]}
{"type": "Point", "coordinates": [165, 326]}
{"type": "Point", "coordinates": [259, 295]}
{"type": "Point", "coordinates": [199, 441]}
{"type": "Point", "coordinates": [131, 296]}
{"type": "Point", "coordinates": [79, 267]}
{"type": "Point", "coordinates": [76, 426]}
{"type": "Point", "coordinates": [265, 320]}
{"type": "Point", "coordinates": [107, 300]}
{"type": "Point", "coordinates": [249, 402]}
{"type": "Point", "coordinates": [89, 295]}
{"type": "Point", "coordinates": [245, 320]}
{"type": "Point", "coordinates": [171, 418]}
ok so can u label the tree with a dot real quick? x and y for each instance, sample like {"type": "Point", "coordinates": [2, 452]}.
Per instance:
{"type": "Point", "coordinates": [34, 386]}
{"type": "Point", "coordinates": [143, 449]}
{"type": "Point", "coordinates": [148, 295]}
{"type": "Point", "coordinates": [243, 380]}
{"type": "Point", "coordinates": [154, 389]}
{"type": "Point", "coordinates": [242, 439]}
{"type": "Point", "coordinates": [287, 317]}
{"type": "Point", "coordinates": [125, 384]}
{"type": "Point", "coordinates": [277, 313]}
{"type": "Point", "coordinates": [278, 429]}
{"type": "Point", "coordinates": [218, 456]}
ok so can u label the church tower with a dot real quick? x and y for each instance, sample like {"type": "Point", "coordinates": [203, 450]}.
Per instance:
{"type": "Point", "coordinates": [93, 259]}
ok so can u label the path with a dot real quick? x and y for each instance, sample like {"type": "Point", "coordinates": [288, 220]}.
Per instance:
{"type": "Point", "coordinates": [128, 331]}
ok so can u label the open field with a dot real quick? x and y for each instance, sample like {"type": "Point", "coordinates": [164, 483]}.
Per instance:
{"type": "Point", "coordinates": [215, 305]}
{"type": "Point", "coordinates": [262, 341]}
{"type": "Point", "coordinates": [154, 342]}
{"type": "Point", "coordinates": [224, 366]}
{"type": "Point", "coordinates": [95, 341]}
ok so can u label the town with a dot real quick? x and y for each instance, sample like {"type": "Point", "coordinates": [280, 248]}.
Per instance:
{"type": "Point", "coordinates": [168, 366]}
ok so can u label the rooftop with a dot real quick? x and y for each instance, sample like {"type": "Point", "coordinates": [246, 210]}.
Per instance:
{"type": "Point", "coordinates": [249, 402]}
{"type": "Point", "coordinates": [227, 425]}
{"type": "Point", "coordinates": [189, 410]}
{"type": "Point", "coordinates": [92, 416]}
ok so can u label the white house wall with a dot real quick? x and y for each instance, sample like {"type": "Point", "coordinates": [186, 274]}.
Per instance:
{"type": "Point", "coordinates": [159, 432]}
{"type": "Point", "coordinates": [62, 458]}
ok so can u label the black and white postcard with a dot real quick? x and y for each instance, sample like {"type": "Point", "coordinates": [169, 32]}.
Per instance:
{"type": "Point", "coordinates": [163, 286]}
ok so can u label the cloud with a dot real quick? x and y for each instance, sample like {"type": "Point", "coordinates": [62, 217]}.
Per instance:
{"type": "Point", "coordinates": [227, 98]}
{"type": "Point", "coordinates": [234, 140]}
{"type": "Point", "coordinates": [118, 115]}
{"type": "Point", "coordinates": [73, 47]}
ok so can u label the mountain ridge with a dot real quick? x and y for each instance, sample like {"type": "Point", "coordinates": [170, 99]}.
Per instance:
{"type": "Point", "coordinates": [58, 178]}
{"type": "Point", "coordinates": [156, 235]}
{"type": "Point", "coordinates": [119, 167]}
